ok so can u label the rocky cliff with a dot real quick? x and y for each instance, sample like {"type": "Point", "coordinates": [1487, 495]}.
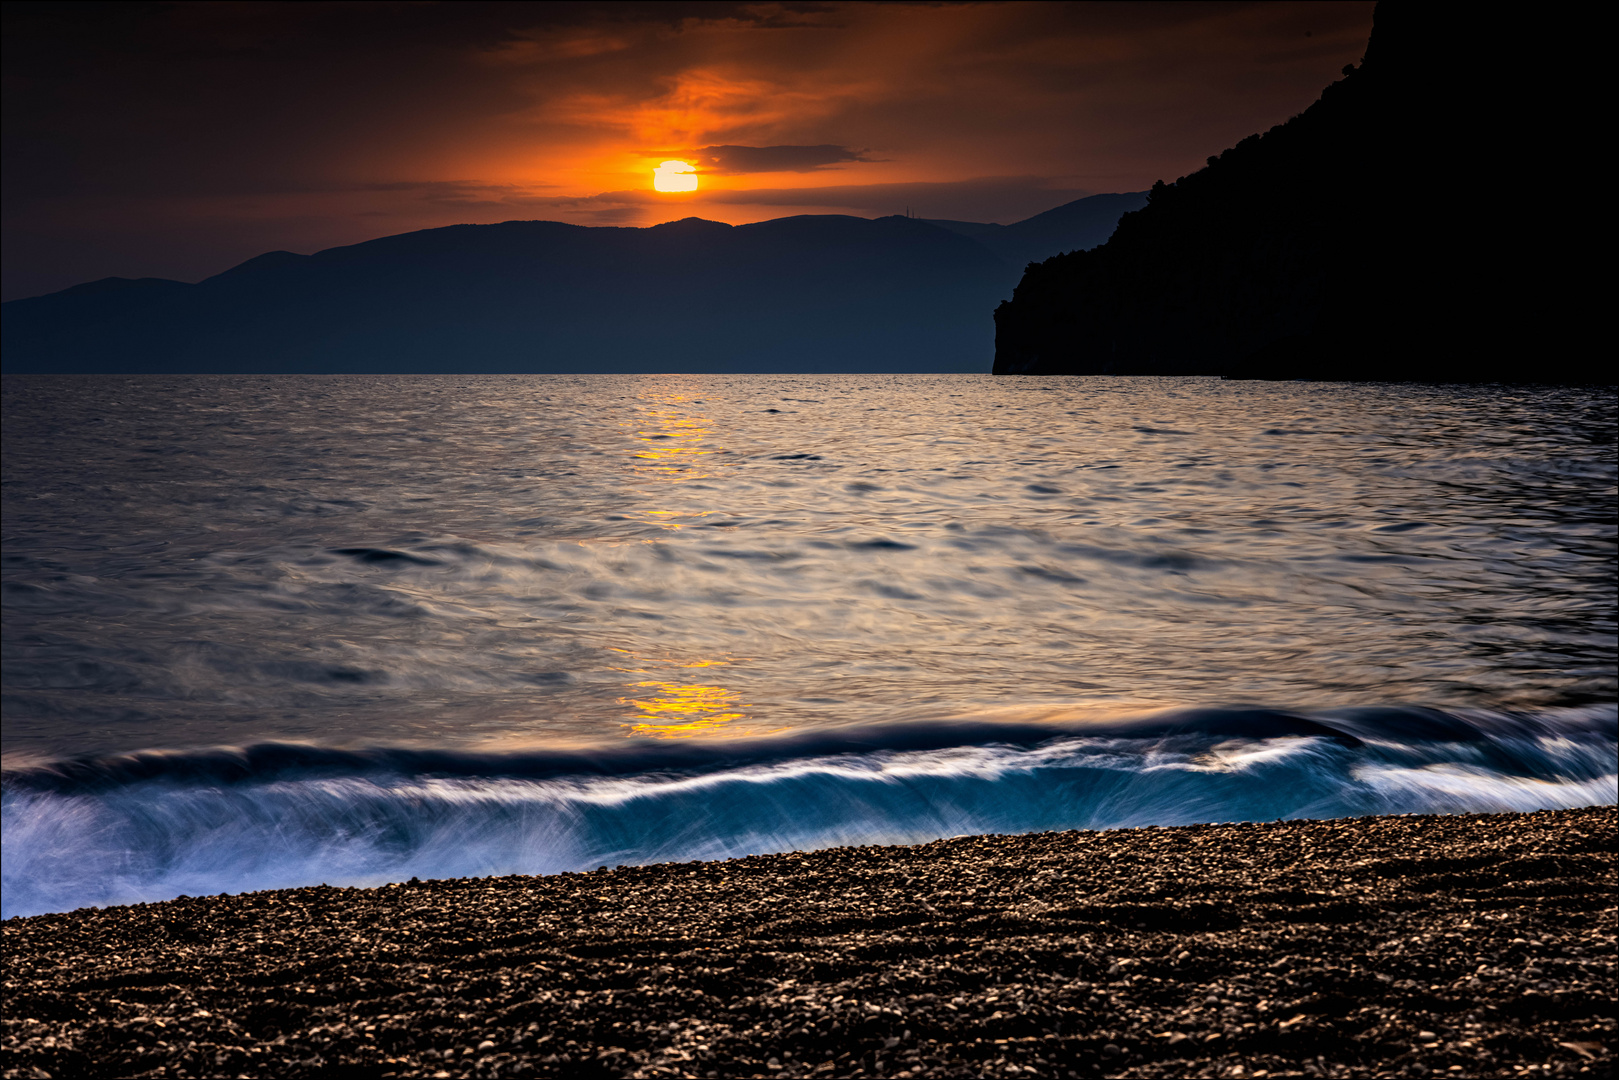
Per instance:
{"type": "Point", "coordinates": [1362, 239]}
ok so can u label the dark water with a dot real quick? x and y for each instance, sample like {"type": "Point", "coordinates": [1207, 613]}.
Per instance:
{"type": "Point", "coordinates": [269, 631]}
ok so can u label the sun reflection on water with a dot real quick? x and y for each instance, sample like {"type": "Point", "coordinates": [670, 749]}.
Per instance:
{"type": "Point", "coordinates": [671, 708]}
{"type": "Point", "coordinates": [673, 444]}
{"type": "Point", "coordinates": [672, 447]}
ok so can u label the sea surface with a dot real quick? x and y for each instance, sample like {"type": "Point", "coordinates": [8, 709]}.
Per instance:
{"type": "Point", "coordinates": [285, 630]}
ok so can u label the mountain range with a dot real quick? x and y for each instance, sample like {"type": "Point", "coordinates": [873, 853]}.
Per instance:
{"type": "Point", "coordinates": [815, 293]}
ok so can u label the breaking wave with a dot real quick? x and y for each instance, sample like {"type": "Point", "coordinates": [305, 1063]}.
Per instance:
{"type": "Point", "coordinates": [151, 826]}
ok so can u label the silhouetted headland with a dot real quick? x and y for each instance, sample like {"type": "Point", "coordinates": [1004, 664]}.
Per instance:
{"type": "Point", "coordinates": [1392, 946]}
{"type": "Point", "coordinates": [817, 293]}
{"type": "Point", "coordinates": [1362, 239]}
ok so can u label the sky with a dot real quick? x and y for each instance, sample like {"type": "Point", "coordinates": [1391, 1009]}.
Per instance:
{"type": "Point", "coordinates": [178, 139]}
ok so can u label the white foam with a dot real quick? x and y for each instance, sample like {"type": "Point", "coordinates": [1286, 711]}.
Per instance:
{"type": "Point", "coordinates": [152, 839]}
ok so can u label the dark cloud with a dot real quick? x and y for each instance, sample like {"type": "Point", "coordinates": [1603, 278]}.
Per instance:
{"type": "Point", "coordinates": [1002, 199]}
{"type": "Point", "coordinates": [740, 160]}
{"type": "Point", "coordinates": [464, 193]}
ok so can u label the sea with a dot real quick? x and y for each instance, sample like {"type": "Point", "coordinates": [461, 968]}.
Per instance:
{"type": "Point", "coordinates": [273, 631]}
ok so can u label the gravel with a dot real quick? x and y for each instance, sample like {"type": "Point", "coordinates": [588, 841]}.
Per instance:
{"type": "Point", "coordinates": [1479, 945]}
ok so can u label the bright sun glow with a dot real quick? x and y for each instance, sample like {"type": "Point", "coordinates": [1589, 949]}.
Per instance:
{"type": "Point", "coordinates": [674, 176]}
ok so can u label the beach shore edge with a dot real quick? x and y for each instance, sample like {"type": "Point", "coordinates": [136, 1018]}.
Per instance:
{"type": "Point", "coordinates": [1463, 945]}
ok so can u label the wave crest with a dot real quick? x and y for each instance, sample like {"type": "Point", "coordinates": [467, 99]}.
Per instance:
{"type": "Point", "coordinates": [151, 826]}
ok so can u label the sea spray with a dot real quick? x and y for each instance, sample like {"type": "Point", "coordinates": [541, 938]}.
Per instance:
{"type": "Point", "coordinates": [145, 827]}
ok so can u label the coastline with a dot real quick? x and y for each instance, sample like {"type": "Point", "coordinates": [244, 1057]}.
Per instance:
{"type": "Point", "coordinates": [1473, 945]}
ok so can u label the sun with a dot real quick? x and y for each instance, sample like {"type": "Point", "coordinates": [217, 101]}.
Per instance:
{"type": "Point", "coordinates": [674, 176]}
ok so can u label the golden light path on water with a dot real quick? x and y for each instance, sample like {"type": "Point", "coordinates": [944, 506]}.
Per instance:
{"type": "Point", "coordinates": [672, 451]}
{"type": "Point", "coordinates": [671, 446]}
{"type": "Point", "coordinates": [676, 709]}
{"type": "Point", "coordinates": [694, 708]}
{"type": "Point", "coordinates": [852, 548]}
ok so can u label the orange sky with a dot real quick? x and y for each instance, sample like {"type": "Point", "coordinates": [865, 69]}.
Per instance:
{"type": "Point", "coordinates": [177, 140]}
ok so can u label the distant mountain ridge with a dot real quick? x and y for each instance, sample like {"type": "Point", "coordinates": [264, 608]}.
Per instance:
{"type": "Point", "coordinates": [1076, 226]}
{"type": "Point", "coordinates": [809, 293]}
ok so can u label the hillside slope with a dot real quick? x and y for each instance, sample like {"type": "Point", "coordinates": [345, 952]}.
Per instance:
{"type": "Point", "coordinates": [1353, 241]}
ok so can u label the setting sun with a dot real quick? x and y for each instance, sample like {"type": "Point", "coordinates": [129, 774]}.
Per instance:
{"type": "Point", "coordinates": [674, 176]}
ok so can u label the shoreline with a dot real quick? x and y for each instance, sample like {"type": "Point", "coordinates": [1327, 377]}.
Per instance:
{"type": "Point", "coordinates": [1467, 945]}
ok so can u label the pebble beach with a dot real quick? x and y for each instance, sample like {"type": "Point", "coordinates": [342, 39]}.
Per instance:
{"type": "Point", "coordinates": [1469, 945]}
